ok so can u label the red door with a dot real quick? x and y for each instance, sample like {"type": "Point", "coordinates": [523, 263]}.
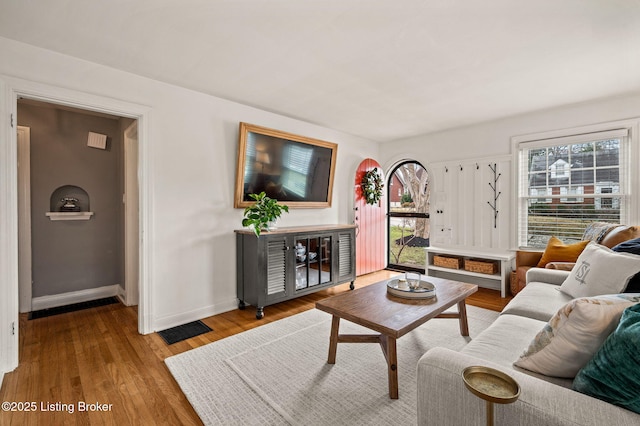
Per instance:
{"type": "Point", "coordinates": [370, 221]}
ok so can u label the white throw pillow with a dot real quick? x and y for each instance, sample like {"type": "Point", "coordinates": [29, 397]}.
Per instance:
{"type": "Point", "coordinates": [574, 334]}
{"type": "Point", "coordinates": [600, 270]}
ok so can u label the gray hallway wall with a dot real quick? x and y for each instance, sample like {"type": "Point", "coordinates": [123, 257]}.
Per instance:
{"type": "Point", "coordinates": [70, 256]}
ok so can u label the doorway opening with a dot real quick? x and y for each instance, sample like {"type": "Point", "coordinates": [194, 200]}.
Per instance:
{"type": "Point", "coordinates": [62, 260]}
{"type": "Point", "coordinates": [408, 193]}
{"type": "Point", "coordinates": [11, 90]}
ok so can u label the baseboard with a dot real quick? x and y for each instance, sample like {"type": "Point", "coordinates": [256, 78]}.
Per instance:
{"type": "Point", "coordinates": [164, 323]}
{"type": "Point", "coordinates": [63, 299]}
{"type": "Point", "coordinates": [121, 295]}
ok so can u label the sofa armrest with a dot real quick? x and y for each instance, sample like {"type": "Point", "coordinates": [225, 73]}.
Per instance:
{"type": "Point", "coordinates": [563, 266]}
{"type": "Point", "coordinates": [444, 400]}
{"type": "Point", "coordinates": [550, 276]}
{"type": "Point", "coordinates": [528, 258]}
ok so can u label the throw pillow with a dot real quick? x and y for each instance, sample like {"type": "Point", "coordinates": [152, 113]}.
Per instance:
{"type": "Point", "coordinates": [596, 231]}
{"type": "Point", "coordinates": [600, 270]}
{"type": "Point", "coordinates": [631, 246]}
{"type": "Point", "coordinates": [574, 334]}
{"type": "Point", "coordinates": [557, 251]}
{"type": "Point", "coordinates": [613, 374]}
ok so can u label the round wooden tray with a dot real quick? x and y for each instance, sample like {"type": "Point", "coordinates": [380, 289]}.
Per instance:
{"type": "Point", "coordinates": [491, 385]}
{"type": "Point", "coordinates": [399, 288]}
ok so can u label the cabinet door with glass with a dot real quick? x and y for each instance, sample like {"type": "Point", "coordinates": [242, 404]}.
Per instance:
{"type": "Point", "coordinates": [313, 260]}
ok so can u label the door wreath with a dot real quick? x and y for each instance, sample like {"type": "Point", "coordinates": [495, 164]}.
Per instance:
{"type": "Point", "coordinates": [372, 185]}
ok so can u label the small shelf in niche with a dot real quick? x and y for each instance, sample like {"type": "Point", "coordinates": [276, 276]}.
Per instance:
{"type": "Point", "coordinates": [69, 215]}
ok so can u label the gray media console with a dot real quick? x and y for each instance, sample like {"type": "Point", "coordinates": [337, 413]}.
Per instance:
{"type": "Point", "coordinates": [286, 263]}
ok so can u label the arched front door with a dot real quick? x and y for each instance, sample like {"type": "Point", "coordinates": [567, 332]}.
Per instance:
{"type": "Point", "coordinates": [408, 191]}
{"type": "Point", "coordinates": [370, 222]}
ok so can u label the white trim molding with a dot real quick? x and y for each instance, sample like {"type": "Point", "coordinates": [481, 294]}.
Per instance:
{"type": "Point", "coordinates": [9, 231]}
{"type": "Point", "coordinates": [69, 298]}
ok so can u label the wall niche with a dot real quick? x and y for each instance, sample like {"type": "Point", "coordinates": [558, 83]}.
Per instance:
{"type": "Point", "coordinates": [69, 202]}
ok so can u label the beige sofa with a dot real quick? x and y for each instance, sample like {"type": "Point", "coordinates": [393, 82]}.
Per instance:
{"type": "Point", "coordinates": [444, 400]}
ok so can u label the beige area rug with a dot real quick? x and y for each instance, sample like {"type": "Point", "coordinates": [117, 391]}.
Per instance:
{"type": "Point", "coordinates": [278, 374]}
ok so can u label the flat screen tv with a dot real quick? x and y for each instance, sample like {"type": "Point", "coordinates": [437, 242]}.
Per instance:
{"type": "Point", "coordinates": [295, 170]}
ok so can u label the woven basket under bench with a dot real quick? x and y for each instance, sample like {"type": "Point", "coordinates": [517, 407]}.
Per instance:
{"type": "Point", "coordinates": [481, 266]}
{"type": "Point", "coordinates": [447, 262]}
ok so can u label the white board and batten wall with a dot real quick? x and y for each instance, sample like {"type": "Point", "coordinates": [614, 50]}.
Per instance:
{"type": "Point", "coordinates": [463, 221]}
{"type": "Point", "coordinates": [460, 213]}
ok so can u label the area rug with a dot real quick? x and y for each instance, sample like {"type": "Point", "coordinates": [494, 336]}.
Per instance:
{"type": "Point", "coordinates": [277, 374]}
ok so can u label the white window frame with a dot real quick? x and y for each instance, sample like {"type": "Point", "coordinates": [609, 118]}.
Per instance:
{"type": "Point", "coordinates": [629, 176]}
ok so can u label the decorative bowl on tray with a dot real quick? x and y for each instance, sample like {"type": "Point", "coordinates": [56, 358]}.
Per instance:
{"type": "Point", "coordinates": [420, 290]}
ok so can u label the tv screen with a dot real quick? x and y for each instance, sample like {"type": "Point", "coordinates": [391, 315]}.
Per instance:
{"type": "Point", "coordinates": [295, 170]}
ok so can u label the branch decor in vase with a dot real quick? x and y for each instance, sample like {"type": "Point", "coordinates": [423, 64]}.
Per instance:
{"type": "Point", "coordinates": [261, 215]}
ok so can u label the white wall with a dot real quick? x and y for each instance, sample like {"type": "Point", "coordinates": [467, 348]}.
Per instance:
{"type": "Point", "coordinates": [487, 143]}
{"type": "Point", "coordinates": [192, 155]}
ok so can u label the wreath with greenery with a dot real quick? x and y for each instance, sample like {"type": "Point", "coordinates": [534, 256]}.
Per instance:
{"type": "Point", "coordinates": [372, 185]}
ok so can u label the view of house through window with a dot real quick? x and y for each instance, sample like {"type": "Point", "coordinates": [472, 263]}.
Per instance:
{"type": "Point", "coordinates": [566, 186]}
{"type": "Point", "coordinates": [408, 192]}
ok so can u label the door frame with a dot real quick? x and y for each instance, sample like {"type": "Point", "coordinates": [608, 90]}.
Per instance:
{"type": "Point", "coordinates": [24, 218]}
{"type": "Point", "coordinates": [131, 215]}
{"type": "Point", "coordinates": [11, 89]}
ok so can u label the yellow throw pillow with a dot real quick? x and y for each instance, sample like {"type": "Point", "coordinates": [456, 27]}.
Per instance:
{"type": "Point", "coordinates": [557, 251]}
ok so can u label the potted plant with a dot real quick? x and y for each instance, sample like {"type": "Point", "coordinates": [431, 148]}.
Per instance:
{"type": "Point", "coordinates": [264, 212]}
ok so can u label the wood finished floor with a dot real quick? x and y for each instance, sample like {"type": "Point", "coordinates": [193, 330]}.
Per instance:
{"type": "Point", "coordinates": [97, 355]}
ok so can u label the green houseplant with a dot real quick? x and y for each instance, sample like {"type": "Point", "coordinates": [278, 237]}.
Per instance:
{"type": "Point", "coordinates": [265, 210]}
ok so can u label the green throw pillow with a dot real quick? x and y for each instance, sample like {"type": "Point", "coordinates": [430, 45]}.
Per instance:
{"type": "Point", "coordinates": [613, 375]}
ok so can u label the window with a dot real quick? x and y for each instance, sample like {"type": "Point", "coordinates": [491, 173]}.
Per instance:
{"type": "Point", "coordinates": [408, 217]}
{"type": "Point", "coordinates": [567, 182]}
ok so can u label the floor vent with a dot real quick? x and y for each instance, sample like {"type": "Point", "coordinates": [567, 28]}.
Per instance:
{"type": "Point", "coordinates": [184, 332]}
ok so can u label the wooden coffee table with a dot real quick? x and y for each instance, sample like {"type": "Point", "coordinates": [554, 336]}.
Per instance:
{"type": "Point", "coordinates": [393, 317]}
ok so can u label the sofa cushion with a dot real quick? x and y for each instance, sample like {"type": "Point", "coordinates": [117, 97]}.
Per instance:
{"type": "Point", "coordinates": [620, 234]}
{"type": "Point", "coordinates": [503, 341]}
{"type": "Point", "coordinates": [613, 374]}
{"type": "Point", "coordinates": [557, 251]}
{"type": "Point", "coordinates": [537, 300]}
{"type": "Point", "coordinates": [631, 246]}
{"type": "Point", "coordinates": [600, 270]}
{"type": "Point", "coordinates": [574, 334]}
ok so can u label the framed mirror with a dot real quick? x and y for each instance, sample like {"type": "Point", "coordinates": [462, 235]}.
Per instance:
{"type": "Point", "coordinates": [295, 170]}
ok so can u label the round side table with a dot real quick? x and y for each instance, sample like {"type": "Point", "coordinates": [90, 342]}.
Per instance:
{"type": "Point", "coordinates": [491, 385]}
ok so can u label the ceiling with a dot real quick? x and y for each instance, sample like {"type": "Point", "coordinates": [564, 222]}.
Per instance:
{"type": "Point", "coordinates": [380, 69]}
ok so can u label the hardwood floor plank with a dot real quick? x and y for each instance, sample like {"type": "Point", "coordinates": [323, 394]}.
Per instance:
{"type": "Point", "coordinates": [97, 355]}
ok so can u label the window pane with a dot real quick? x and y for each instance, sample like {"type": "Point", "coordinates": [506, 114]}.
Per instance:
{"type": "Point", "coordinates": [567, 221]}
{"type": "Point", "coordinates": [607, 178]}
{"type": "Point", "coordinates": [608, 153]}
